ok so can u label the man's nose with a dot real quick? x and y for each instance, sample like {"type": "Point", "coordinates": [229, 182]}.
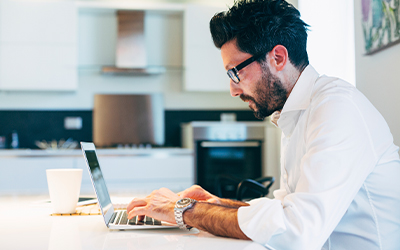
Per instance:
{"type": "Point", "coordinates": [235, 89]}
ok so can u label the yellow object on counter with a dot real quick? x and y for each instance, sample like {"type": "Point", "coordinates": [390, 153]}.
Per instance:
{"type": "Point", "coordinates": [83, 210]}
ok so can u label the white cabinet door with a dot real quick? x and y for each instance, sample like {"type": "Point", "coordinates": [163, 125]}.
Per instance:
{"type": "Point", "coordinates": [37, 67]}
{"type": "Point", "coordinates": [27, 175]}
{"type": "Point", "coordinates": [123, 174]}
{"type": "Point", "coordinates": [204, 70]}
{"type": "Point", "coordinates": [142, 174]}
{"type": "Point", "coordinates": [38, 45]}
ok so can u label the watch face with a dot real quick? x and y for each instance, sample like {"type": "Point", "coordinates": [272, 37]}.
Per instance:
{"type": "Point", "coordinates": [184, 201]}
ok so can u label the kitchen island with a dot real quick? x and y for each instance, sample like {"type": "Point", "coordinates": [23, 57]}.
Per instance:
{"type": "Point", "coordinates": [27, 224]}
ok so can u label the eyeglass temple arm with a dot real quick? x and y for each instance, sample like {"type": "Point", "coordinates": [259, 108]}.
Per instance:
{"type": "Point", "coordinates": [245, 63]}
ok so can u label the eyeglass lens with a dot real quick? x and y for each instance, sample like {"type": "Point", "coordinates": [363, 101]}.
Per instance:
{"type": "Point", "coordinates": [233, 73]}
{"type": "Point", "coordinates": [233, 76]}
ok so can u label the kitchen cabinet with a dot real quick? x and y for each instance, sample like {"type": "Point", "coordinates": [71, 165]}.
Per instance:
{"type": "Point", "coordinates": [125, 171]}
{"type": "Point", "coordinates": [38, 45]}
{"type": "Point", "coordinates": [204, 70]}
{"type": "Point", "coordinates": [202, 64]}
{"type": "Point", "coordinates": [27, 175]}
{"type": "Point", "coordinates": [142, 174]}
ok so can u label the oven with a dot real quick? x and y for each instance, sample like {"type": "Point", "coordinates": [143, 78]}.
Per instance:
{"type": "Point", "coordinates": [225, 153]}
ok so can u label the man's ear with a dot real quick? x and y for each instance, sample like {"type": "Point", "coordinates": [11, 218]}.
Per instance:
{"type": "Point", "coordinates": [278, 57]}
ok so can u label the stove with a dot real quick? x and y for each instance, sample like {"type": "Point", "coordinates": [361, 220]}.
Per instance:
{"type": "Point", "coordinates": [225, 151]}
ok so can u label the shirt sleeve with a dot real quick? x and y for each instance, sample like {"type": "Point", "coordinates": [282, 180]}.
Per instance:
{"type": "Point", "coordinates": [280, 194]}
{"type": "Point", "coordinates": [338, 157]}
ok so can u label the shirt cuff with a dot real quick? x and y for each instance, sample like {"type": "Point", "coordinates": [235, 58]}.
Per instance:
{"type": "Point", "coordinates": [261, 220]}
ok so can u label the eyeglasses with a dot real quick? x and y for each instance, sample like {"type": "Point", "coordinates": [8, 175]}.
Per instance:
{"type": "Point", "coordinates": [233, 73]}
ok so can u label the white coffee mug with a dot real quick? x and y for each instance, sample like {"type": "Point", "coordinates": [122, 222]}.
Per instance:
{"type": "Point", "coordinates": [64, 188]}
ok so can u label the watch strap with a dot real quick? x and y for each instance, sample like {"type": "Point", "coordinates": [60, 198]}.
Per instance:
{"type": "Point", "coordinates": [178, 212]}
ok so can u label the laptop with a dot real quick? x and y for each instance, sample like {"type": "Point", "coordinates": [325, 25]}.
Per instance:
{"type": "Point", "coordinates": [114, 219]}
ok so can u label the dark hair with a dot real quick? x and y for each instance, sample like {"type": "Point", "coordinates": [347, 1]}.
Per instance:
{"type": "Point", "coordinates": [259, 25]}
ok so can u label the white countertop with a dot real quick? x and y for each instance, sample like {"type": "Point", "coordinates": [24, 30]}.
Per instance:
{"type": "Point", "coordinates": [27, 224]}
{"type": "Point", "coordinates": [229, 124]}
{"type": "Point", "coordinates": [78, 152]}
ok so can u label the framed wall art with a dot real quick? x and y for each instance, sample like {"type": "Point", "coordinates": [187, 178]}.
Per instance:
{"type": "Point", "coordinates": [381, 24]}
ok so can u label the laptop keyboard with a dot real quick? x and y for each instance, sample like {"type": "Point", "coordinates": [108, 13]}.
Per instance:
{"type": "Point", "coordinates": [121, 218]}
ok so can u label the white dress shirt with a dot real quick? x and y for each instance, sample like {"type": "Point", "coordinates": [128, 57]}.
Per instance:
{"type": "Point", "coordinates": [340, 185]}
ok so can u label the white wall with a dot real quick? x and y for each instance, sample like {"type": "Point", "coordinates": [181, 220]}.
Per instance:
{"type": "Point", "coordinates": [330, 43]}
{"type": "Point", "coordinates": [378, 76]}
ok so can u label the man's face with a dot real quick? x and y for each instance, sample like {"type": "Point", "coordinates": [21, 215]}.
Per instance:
{"type": "Point", "coordinates": [264, 91]}
{"type": "Point", "coordinates": [269, 95]}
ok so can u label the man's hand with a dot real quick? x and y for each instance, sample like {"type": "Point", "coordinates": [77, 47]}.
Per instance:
{"type": "Point", "coordinates": [198, 193]}
{"type": "Point", "coordinates": [208, 215]}
{"type": "Point", "coordinates": [159, 205]}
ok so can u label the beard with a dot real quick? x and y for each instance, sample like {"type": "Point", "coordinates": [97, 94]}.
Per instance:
{"type": "Point", "coordinates": [270, 95]}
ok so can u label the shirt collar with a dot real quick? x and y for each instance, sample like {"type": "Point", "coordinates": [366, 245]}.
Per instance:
{"type": "Point", "coordinates": [299, 99]}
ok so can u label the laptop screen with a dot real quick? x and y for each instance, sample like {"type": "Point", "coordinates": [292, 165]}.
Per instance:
{"type": "Point", "coordinates": [98, 181]}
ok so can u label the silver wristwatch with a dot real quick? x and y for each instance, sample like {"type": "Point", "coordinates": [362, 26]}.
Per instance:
{"type": "Point", "coordinates": [180, 207]}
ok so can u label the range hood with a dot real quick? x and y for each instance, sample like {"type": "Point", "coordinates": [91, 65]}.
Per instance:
{"type": "Point", "coordinates": [131, 56]}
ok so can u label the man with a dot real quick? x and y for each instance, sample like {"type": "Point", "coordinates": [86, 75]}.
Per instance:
{"type": "Point", "coordinates": [340, 168]}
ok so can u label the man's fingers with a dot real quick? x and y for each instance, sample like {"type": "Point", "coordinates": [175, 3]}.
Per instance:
{"type": "Point", "coordinates": [188, 191]}
{"type": "Point", "coordinates": [140, 211]}
{"type": "Point", "coordinates": [195, 192]}
{"type": "Point", "coordinates": [136, 203]}
{"type": "Point", "coordinates": [183, 194]}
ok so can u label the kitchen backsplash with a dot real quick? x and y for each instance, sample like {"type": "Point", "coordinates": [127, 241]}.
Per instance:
{"type": "Point", "coordinates": [33, 125]}
{"type": "Point", "coordinates": [43, 125]}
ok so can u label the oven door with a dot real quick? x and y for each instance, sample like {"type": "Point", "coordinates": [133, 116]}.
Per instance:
{"type": "Point", "coordinates": [222, 164]}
